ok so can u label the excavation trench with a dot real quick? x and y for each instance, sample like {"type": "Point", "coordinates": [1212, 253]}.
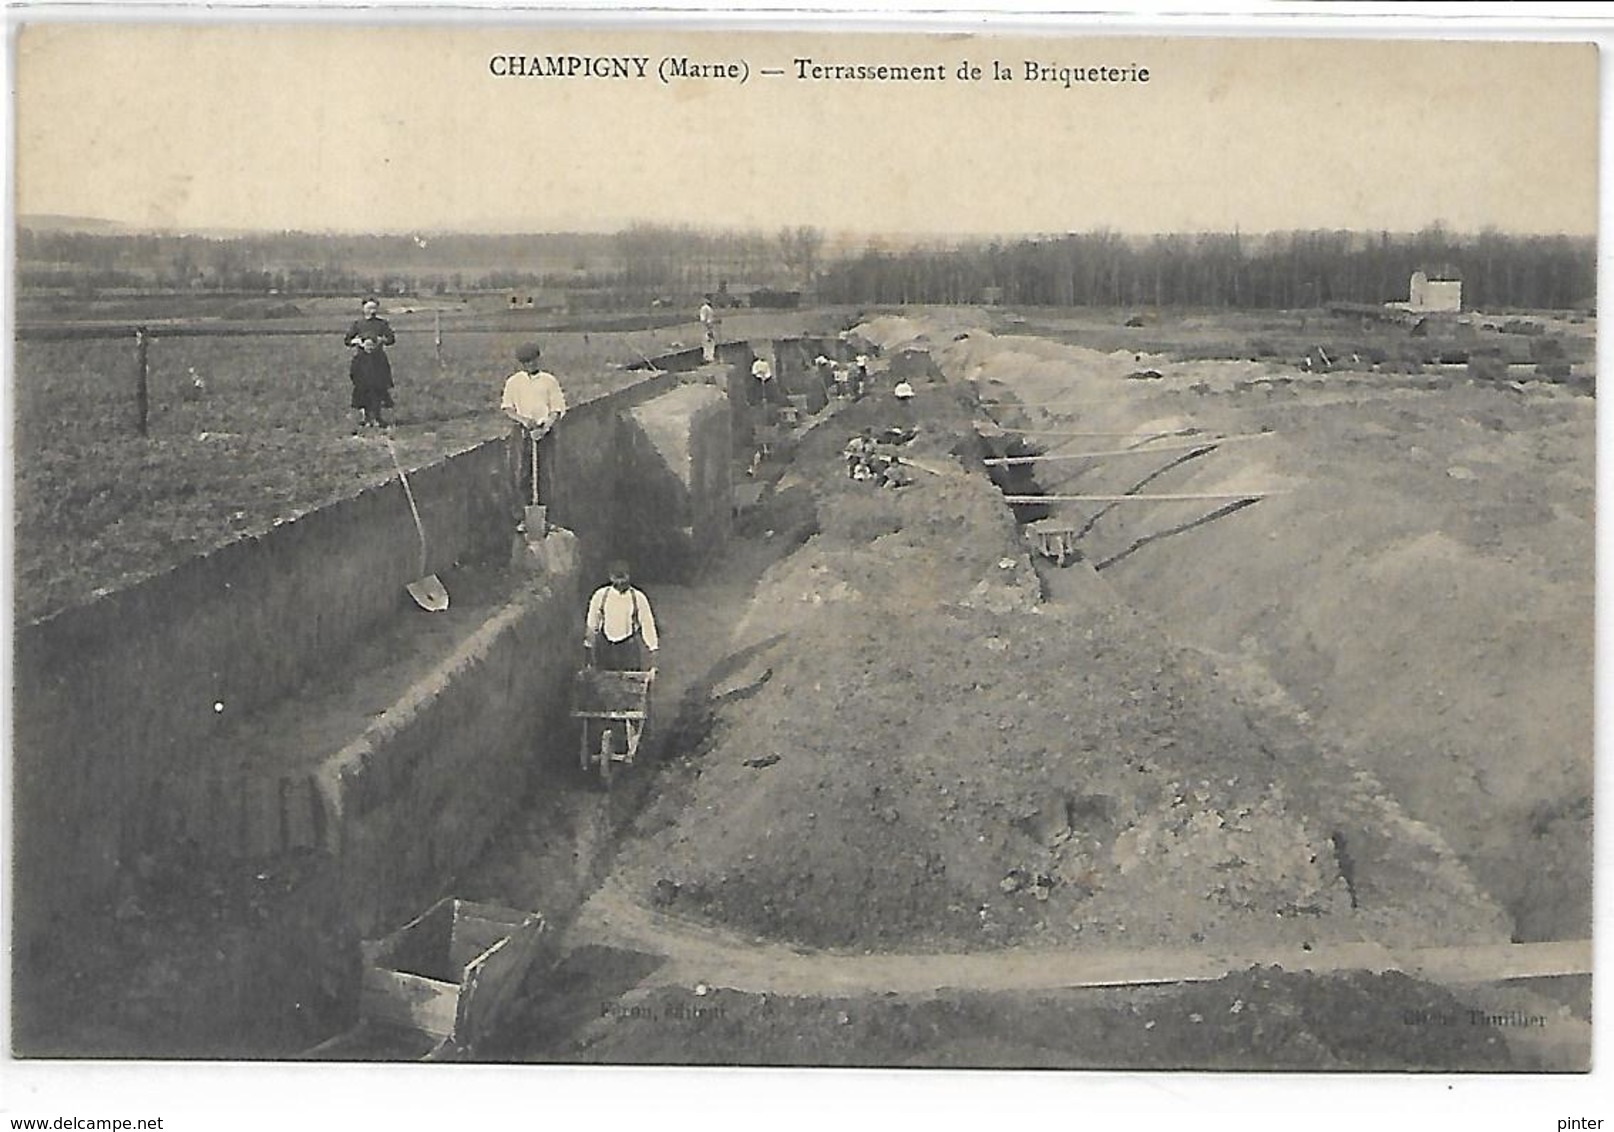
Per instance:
{"type": "Point", "coordinates": [919, 748]}
{"type": "Point", "coordinates": [889, 731]}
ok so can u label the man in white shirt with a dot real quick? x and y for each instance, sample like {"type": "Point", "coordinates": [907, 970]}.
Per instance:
{"type": "Point", "coordinates": [762, 372]}
{"type": "Point", "coordinates": [620, 630]}
{"type": "Point", "coordinates": [535, 404]}
{"type": "Point", "coordinates": [709, 326]}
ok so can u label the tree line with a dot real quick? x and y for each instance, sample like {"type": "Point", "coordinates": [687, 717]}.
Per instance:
{"type": "Point", "coordinates": [1098, 268]}
{"type": "Point", "coordinates": [648, 258]}
{"type": "Point", "coordinates": [1278, 271]}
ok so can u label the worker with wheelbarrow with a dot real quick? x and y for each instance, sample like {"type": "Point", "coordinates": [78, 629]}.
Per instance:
{"type": "Point", "coordinates": [534, 402]}
{"type": "Point", "coordinates": [619, 637]}
{"type": "Point", "coordinates": [620, 629]}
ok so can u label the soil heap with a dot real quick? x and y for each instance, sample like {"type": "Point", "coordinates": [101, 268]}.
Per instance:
{"type": "Point", "coordinates": [916, 751]}
{"type": "Point", "coordinates": [1422, 586]}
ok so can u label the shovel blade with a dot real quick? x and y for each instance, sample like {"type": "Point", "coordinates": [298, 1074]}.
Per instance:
{"type": "Point", "coordinates": [429, 593]}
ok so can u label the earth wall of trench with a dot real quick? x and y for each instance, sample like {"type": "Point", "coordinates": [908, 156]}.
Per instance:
{"type": "Point", "coordinates": [117, 700]}
{"type": "Point", "coordinates": [1420, 585]}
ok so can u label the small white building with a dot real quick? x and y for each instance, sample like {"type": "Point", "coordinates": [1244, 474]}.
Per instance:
{"type": "Point", "coordinates": [1440, 292]}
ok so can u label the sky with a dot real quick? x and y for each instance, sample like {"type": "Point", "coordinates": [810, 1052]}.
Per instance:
{"type": "Point", "coordinates": [408, 127]}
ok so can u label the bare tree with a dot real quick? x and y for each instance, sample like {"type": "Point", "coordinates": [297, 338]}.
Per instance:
{"type": "Point", "coordinates": [800, 249]}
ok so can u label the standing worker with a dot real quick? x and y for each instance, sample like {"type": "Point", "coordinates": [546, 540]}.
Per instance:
{"type": "Point", "coordinates": [372, 376]}
{"type": "Point", "coordinates": [534, 402]}
{"type": "Point", "coordinates": [762, 385]}
{"type": "Point", "coordinates": [620, 631]}
{"type": "Point", "coordinates": [709, 328]}
{"type": "Point", "coordinates": [903, 392]}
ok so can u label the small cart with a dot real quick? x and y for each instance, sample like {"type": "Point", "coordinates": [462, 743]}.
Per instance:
{"type": "Point", "coordinates": [1053, 539]}
{"type": "Point", "coordinates": [613, 709]}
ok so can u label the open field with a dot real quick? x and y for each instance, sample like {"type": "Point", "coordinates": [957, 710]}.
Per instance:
{"type": "Point", "coordinates": [1353, 343]}
{"type": "Point", "coordinates": [265, 438]}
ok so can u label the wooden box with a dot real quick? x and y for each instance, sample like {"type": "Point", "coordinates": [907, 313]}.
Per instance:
{"type": "Point", "coordinates": [451, 974]}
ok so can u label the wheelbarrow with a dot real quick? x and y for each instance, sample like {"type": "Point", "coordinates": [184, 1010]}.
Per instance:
{"type": "Point", "coordinates": [613, 709]}
{"type": "Point", "coordinates": [1053, 540]}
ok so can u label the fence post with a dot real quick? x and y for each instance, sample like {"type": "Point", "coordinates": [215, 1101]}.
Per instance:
{"type": "Point", "coordinates": [142, 398]}
{"type": "Point", "coordinates": [437, 336]}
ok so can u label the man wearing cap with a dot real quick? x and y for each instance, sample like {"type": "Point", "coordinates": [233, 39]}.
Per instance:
{"type": "Point", "coordinates": [620, 631]}
{"type": "Point", "coordinates": [535, 404]}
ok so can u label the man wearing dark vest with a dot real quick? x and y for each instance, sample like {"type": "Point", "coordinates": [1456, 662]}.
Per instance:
{"type": "Point", "coordinates": [620, 631]}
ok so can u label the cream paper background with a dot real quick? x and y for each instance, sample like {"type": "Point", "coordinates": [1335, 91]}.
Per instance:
{"type": "Point", "coordinates": [388, 120]}
{"type": "Point", "coordinates": [394, 128]}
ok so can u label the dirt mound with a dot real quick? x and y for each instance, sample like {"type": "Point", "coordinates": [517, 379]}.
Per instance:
{"type": "Point", "coordinates": [1423, 591]}
{"type": "Point", "coordinates": [893, 332]}
{"type": "Point", "coordinates": [931, 757]}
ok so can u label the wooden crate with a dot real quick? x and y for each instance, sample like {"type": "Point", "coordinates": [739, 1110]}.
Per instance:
{"type": "Point", "coordinates": [451, 974]}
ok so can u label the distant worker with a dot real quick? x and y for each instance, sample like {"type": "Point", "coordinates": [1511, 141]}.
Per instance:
{"type": "Point", "coordinates": [857, 453]}
{"type": "Point", "coordinates": [710, 325]}
{"type": "Point", "coordinates": [372, 379]}
{"type": "Point", "coordinates": [762, 386]}
{"type": "Point", "coordinates": [534, 402]}
{"type": "Point", "coordinates": [903, 392]}
{"type": "Point", "coordinates": [620, 630]}
{"type": "Point", "coordinates": [825, 370]}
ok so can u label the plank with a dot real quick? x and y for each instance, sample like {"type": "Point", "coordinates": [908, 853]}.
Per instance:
{"type": "Point", "coordinates": [1046, 457]}
{"type": "Point", "coordinates": [1048, 404]}
{"type": "Point", "coordinates": [993, 426]}
{"type": "Point", "coordinates": [1489, 963]}
{"type": "Point", "coordinates": [933, 467]}
{"type": "Point", "coordinates": [783, 973]}
{"type": "Point", "coordinates": [1158, 498]}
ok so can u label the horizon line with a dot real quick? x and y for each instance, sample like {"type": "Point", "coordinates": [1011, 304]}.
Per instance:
{"type": "Point", "coordinates": [100, 226]}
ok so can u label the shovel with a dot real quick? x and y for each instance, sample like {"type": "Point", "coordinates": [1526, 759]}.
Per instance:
{"type": "Point", "coordinates": [537, 515]}
{"type": "Point", "coordinates": [655, 370]}
{"type": "Point", "coordinates": [428, 590]}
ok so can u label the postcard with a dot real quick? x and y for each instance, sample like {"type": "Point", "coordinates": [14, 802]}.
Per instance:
{"type": "Point", "coordinates": [637, 542]}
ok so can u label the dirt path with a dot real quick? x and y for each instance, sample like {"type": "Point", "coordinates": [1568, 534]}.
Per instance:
{"type": "Point", "coordinates": [693, 955]}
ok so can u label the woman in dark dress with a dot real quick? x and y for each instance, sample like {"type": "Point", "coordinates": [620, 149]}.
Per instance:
{"type": "Point", "coordinates": [370, 370]}
{"type": "Point", "coordinates": [372, 383]}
